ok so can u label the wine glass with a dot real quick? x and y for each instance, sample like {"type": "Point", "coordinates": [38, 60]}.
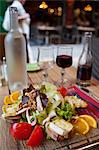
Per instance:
{"type": "Point", "coordinates": [64, 60]}
{"type": "Point", "coordinates": [46, 59]}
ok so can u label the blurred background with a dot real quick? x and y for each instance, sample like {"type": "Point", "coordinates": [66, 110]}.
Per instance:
{"type": "Point", "coordinates": [59, 22]}
{"type": "Point", "coordinates": [65, 16]}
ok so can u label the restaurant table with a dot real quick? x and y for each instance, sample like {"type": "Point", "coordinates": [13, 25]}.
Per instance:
{"type": "Point", "coordinates": [81, 30]}
{"type": "Point", "coordinates": [86, 29]}
{"type": "Point", "coordinates": [91, 139]}
{"type": "Point", "coordinates": [47, 30]}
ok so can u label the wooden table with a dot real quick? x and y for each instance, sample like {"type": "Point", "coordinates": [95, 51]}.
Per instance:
{"type": "Point", "coordinates": [86, 29]}
{"type": "Point", "coordinates": [81, 30]}
{"type": "Point", "coordinates": [8, 143]}
{"type": "Point", "coordinates": [47, 30]}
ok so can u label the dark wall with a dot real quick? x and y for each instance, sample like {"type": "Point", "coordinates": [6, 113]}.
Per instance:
{"type": "Point", "coordinates": [3, 6]}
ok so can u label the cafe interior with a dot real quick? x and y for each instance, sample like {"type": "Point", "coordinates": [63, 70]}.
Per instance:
{"type": "Point", "coordinates": [63, 17]}
{"type": "Point", "coordinates": [62, 56]}
{"type": "Point", "coordinates": [59, 22]}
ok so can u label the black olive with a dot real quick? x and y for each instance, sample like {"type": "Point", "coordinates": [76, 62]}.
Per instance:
{"type": "Point", "coordinates": [25, 99]}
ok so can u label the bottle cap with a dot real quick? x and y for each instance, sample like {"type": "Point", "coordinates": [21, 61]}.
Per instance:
{"type": "Point", "coordinates": [13, 9]}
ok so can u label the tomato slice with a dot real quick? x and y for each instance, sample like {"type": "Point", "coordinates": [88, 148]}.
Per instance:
{"type": "Point", "coordinates": [21, 131]}
{"type": "Point", "coordinates": [63, 91]}
{"type": "Point", "coordinates": [36, 137]}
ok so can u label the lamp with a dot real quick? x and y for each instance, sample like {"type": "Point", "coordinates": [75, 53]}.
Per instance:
{"type": "Point", "coordinates": [88, 8]}
{"type": "Point", "coordinates": [43, 5]}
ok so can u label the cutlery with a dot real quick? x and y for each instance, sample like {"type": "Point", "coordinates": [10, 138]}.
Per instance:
{"type": "Point", "coordinates": [90, 93]}
{"type": "Point", "coordinates": [89, 146]}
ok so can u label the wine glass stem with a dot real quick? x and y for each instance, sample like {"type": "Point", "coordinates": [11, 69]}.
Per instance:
{"type": "Point", "coordinates": [45, 74]}
{"type": "Point", "coordinates": [62, 75]}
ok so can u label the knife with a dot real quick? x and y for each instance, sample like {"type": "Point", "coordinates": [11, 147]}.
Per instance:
{"type": "Point", "coordinates": [90, 93]}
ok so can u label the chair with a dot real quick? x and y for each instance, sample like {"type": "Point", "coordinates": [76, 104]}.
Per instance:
{"type": "Point", "coordinates": [69, 34]}
{"type": "Point", "coordinates": [55, 39]}
{"type": "Point", "coordinates": [55, 36]}
{"type": "Point", "coordinates": [36, 37]}
{"type": "Point", "coordinates": [95, 54]}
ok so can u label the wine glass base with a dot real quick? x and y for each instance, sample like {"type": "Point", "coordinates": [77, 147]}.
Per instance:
{"type": "Point", "coordinates": [66, 83]}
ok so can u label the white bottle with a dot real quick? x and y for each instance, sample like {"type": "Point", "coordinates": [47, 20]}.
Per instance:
{"type": "Point", "coordinates": [15, 49]}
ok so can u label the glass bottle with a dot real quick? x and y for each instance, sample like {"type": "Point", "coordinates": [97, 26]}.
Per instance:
{"type": "Point", "coordinates": [84, 69]}
{"type": "Point", "coordinates": [4, 71]}
{"type": "Point", "coordinates": [15, 50]}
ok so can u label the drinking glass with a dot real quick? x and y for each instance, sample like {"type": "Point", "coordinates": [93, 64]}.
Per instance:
{"type": "Point", "coordinates": [46, 59]}
{"type": "Point", "coordinates": [64, 60]}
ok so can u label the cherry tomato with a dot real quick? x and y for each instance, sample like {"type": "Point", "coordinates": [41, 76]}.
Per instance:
{"type": "Point", "coordinates": [21, 131]}
{"type": "Point", "coordinates": [36, 137]}
{"type": "Point", "coordinates": [63, 91]}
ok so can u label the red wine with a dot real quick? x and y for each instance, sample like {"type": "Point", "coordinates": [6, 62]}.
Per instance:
{"type": "Point", "coordinates": [64, 61]}
{"type": "Point", "coordinates": [84, 72]}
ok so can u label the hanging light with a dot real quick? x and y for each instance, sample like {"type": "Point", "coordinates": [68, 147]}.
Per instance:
{"type": "Point", "coordinates": [59, 11]}
{"type": "Point", "coordinates": [43, 5]}
{"type": "Point", "coordinates": [50, 10]}
{"type": "Point", "coordinates": [88, 8]}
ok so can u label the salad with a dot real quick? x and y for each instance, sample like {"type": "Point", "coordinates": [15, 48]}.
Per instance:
{"type": "Point", "coordinates": [48, 110]}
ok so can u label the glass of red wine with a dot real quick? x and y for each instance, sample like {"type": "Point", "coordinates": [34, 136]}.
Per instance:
{"type": "Point", "coordinates": [64, 60]}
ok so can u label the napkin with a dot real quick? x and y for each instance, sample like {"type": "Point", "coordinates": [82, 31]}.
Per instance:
{"type": "Point", "coordinates": [93, 105]}
{"type": "Point", "coordinates": [33, 67]}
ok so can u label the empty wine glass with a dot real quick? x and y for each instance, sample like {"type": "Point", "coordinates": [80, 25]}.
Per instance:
{"type": "Point", "coordinates": [45, 59]}
{"type": "Point", "coordinates": [64, 60]}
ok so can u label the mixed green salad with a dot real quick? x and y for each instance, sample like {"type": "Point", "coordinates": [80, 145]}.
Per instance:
{"type": "Point", "coordinates": [47, 106]}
